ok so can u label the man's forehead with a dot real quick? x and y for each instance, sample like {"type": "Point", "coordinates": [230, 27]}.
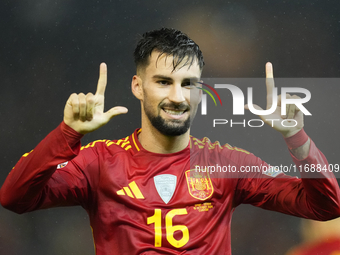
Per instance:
{"type": "Point", "coordinates": [159, 62]}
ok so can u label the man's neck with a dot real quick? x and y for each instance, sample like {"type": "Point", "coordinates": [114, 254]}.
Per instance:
{"type": "Point", "coordinates": [154, 141]}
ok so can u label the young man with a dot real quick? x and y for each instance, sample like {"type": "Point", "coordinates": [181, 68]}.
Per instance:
{"type": "Point", "coordinates": [141, 192]}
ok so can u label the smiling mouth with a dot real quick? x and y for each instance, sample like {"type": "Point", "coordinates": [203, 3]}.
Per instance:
{"type": "Point", "coordinates": [174, 112]}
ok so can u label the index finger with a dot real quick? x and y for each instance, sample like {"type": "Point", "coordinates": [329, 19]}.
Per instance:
{"type": "Point", "coordinates": [269, 83]}
{"type": "Point", "coordinates": [102, 81]}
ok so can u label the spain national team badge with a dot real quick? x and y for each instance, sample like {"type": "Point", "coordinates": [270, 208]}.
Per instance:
{"type": "Point", "coordinates": [199, 184]}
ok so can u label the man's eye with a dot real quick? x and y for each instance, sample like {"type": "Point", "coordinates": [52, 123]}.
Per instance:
{"type": "Point", "coordinates": [163, 82]}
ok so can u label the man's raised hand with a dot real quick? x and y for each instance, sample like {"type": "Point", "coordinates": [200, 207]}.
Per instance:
{"type": "Point", "coordinates": [85, 113]}
{"type": "Point", "coordinates": [293, 117]}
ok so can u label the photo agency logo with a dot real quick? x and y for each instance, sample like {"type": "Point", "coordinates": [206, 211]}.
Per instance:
{"type": "Point", "coordinates": [284, 101]}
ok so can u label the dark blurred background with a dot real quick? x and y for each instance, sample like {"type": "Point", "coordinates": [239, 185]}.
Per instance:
{"type": "Point", "coordinates": [50, 49]}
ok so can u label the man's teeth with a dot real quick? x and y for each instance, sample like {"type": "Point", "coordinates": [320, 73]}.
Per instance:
{"type": "Point", "coordinates": [172, 112]}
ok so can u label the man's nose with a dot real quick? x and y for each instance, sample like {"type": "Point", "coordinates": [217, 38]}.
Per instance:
{"type": "Point", "coordinates": [176, 93]}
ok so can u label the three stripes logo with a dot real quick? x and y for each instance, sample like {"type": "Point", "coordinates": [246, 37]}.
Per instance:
{"type": "Point", "coordinates": [204, 97]}
{"type": "Point", "coordinates": [132, 191]}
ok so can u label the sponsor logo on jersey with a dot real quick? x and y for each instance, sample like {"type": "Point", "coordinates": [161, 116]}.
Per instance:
{"type": "Point", "coordinates": [199, 184]}
{"type": "Point", "coordinates": [165, 185]}
{"type": "Point", "coordinates": [62, 165]}
{"type": "Point", "coordinates": [132, 191]}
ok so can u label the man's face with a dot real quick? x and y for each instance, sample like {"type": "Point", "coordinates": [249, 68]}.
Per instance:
{"type": "Point", "coordinates": [170, 99]}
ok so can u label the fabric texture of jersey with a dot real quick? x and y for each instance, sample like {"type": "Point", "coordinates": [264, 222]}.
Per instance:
{"type": "Point", "coordinates": [140, 202]}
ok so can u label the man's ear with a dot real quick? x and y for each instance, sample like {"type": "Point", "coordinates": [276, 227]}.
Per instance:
{"type": "Point", "coordinates": [136, 87]}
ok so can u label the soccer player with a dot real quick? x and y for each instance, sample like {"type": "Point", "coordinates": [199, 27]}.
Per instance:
{"type": "Point", "coordinates": [141, 192]}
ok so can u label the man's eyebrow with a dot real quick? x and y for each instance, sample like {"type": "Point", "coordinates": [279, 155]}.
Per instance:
{"type": "Point", "coordinates": [192, 79]}
{"type": "Point", "coordinates": [158, 76]}
{"type": "Point", "coordinates": [163, 77]}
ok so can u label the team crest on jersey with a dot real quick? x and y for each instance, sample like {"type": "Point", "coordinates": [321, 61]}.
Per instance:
{"type": "Point", "coordinates": [165, 186]}
{"type": "Point", "coordinates": [62, 165]}
{"type": "Point", "coordinates": [199, 184]}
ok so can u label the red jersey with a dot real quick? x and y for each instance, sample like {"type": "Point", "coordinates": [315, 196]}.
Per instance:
{"type": "Point", "coordinates": [141, 202]}
{"type": "Point", "coordinates": [327, 247]}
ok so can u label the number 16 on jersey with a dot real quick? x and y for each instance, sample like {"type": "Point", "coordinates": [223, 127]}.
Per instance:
{"type": "Point", "coordinates": [156, 219]}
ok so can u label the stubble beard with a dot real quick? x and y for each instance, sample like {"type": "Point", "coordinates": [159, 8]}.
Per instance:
{"type": "Point", "coordinates": [170, 127]}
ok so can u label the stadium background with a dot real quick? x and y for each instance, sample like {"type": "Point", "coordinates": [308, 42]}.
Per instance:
{"type": "Point", "coordinates": [50, 49]}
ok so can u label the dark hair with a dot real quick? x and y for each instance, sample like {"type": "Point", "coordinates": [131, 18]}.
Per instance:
{"type": "Point", "coordinates": [170, 42]}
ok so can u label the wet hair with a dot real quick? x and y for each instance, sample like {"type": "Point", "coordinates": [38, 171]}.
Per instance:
{"type": "Point", "coordinates": [170, 42]}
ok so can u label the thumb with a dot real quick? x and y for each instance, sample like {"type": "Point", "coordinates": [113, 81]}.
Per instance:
{"type": "Point", "coordinates": [114, 111]}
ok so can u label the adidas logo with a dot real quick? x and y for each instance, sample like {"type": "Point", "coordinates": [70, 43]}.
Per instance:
{"type": "Point", "coordinates": [131, 191]}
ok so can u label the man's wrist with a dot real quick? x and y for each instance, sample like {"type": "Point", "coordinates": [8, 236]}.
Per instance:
{"type": "Point", "coordinates": [72, 136]}
{"type": "Point", "coordinates": [297, 140]}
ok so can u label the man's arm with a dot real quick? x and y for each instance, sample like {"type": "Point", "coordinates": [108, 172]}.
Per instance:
{"type": "Point", "coordinates": [316, 195]}
{"type": "Point", "coordinates": [302, 151]}
{"type": "Point", "coordinates": [35, 181]}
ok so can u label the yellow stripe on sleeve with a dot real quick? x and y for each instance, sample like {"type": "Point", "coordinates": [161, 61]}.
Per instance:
{"type": "Point", "coordinates": [26, 154]}
{"type": "Point", "coordinates": [127, 147]}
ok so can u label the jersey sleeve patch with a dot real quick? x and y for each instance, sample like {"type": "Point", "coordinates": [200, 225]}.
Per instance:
{"type": "Point", "coordinates": [62, 165]}
{"type": "Point", "coordinates": [272, 171]}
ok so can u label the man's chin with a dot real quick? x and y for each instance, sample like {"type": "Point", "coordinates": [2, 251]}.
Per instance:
{"type": "Point", "coordinates": [173, 127]}
{"type": "Point", "coordinates": [173, 130]}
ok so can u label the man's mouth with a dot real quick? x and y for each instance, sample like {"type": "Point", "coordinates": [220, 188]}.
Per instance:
{"type": "Point", "coordinates": [175, 113]}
